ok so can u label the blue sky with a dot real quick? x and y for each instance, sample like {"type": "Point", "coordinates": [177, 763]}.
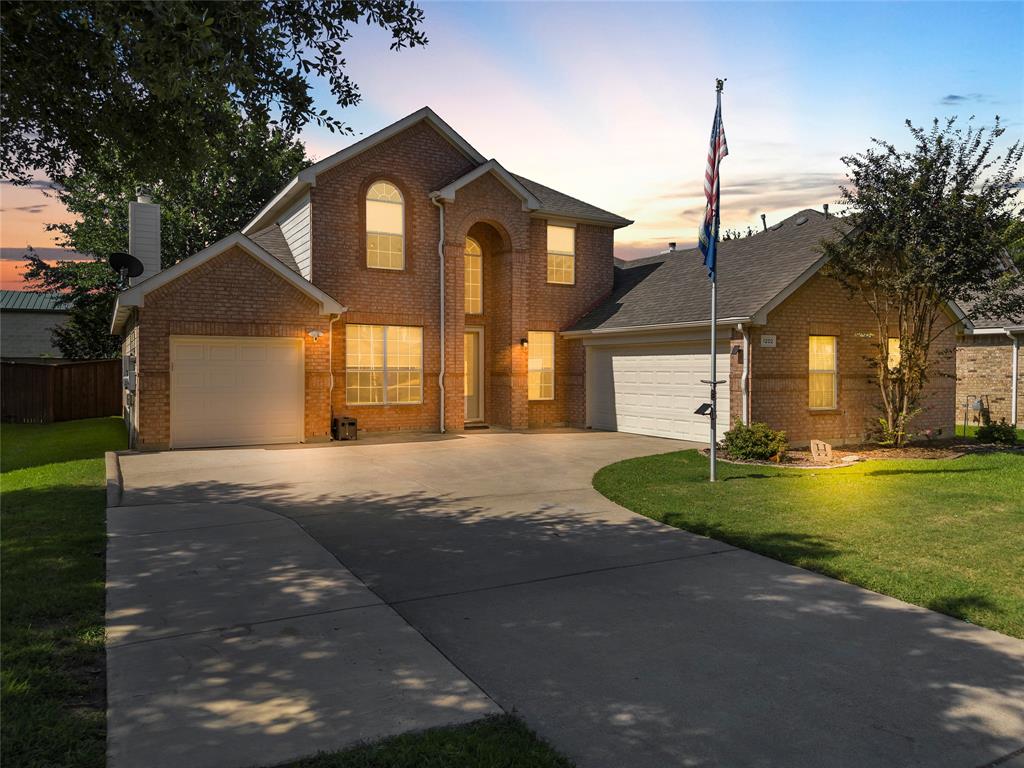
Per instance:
{"type": "Point", "coordinates": [612, 102]}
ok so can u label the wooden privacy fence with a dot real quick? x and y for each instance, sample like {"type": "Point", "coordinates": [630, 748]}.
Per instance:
{"type": "Point", "coordinates": [38, 393]}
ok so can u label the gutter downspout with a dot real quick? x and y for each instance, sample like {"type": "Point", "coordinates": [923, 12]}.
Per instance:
{"type": "Point", "coordinates": [745, 380]}
{"type": "Point", "coordinates": [440, 253]}
{"type": "Point", "coordinates": [1015, 371]}
{"type": "Point", "coordinates": [330, 366]}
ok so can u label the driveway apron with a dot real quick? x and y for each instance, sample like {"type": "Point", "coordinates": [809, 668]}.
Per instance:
{"type": "Point", "coordinates": [622, 641]}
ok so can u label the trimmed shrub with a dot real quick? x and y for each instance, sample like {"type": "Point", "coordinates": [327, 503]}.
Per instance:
{"type": "Point", "coordinates": [997, 433]}
{"type": "Point", "coordinates": [758, 441]}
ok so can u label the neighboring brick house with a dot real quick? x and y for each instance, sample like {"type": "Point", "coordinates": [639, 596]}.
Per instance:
{"type": "Point", "coordinates": [421, 239]}
{"type": "Point", "coordinates": [27, 320]}
{"type": "Point", "coordinates": [990, 371]}
{"type": "Point", "coordinates": [793, 349]}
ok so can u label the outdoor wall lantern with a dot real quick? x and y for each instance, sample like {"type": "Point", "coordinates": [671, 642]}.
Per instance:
{"type": "Point", "coordinates": [315, 334]}
{"type": "Point", "coordinates": [524, 343]}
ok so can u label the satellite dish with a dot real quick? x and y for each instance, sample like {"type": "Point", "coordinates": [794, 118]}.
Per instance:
{"type": "Point", "coordinates": [125, 264]}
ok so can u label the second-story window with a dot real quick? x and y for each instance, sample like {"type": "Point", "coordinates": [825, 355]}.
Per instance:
{"type": "Point", "coordinates": [474, 277]}
{"type": "Point", "coordinates": [561, 254]}
{"type": "Point", "coordinates": [385, 227]}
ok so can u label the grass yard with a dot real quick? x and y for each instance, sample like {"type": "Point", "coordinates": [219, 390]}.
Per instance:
{"type": "Point", "coordinates": [972, 431]}
{"type": "Point", "coordinates": [945, 534]}
{"type": "Point", "coordinates": [501, 741]}
{"type": "Point", "coordinates": [52, 567]}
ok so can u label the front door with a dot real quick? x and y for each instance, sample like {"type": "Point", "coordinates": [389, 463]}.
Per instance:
{"type": "Point", "coordinates": [473, 374]}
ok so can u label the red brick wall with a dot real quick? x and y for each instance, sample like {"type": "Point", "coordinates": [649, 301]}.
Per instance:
{"type": "Point", "coordinates": [235, 295]}
{"type": "Point", "coordinates": [778, 377]}
{"type": "Point", "coordinates": [418, 161]}
{"type": "Point", "coordinates": [984, 368]}
{"type": "Point", "coordinates": [232, 294]}
{"type": "Point", "coordinates": [517, 297]}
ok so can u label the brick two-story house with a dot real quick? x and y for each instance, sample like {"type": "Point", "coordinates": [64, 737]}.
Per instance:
{"type": "Point", "coordinates": [406, 281]}
{"type": "Point", "coordinates": [411, 284]}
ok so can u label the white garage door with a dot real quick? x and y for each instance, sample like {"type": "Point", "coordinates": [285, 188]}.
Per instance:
{"type": "Point", "coordinates": [655, 390]}
{"type": "Point", "coordinates": [228, 390]}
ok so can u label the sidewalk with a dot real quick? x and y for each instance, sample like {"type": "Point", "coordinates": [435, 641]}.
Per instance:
{"type": "Point", "coordinates": [234, 639]}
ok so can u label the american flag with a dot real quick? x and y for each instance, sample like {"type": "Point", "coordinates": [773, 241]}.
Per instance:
{"type": "Point", "coordinates": [709, 228]}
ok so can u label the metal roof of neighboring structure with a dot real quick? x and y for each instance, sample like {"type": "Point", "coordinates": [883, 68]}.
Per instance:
{"type": "Point", "coordinates": [32, 301]}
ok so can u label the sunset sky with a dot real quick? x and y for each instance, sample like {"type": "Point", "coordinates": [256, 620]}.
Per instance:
{"type": "Point", "coordinates": [613, 102]}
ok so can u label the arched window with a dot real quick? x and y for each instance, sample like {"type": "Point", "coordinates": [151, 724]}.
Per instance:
{"type": "Point", "coordinates": [385, 227]}
{"type": "Point", "coordinates": [474, 278]}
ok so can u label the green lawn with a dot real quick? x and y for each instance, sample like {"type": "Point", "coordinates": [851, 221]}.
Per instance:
{"type": "Point", "coordinates": [52, 569]}
{"type": "Point", "coordinates": [945, 534]}
{"type": "Point", "coordinates": [972, 430]}
{"type": "Point", "coordinates": [501, 741]}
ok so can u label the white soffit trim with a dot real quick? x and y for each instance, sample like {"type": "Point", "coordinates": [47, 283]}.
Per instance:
{"type": "Point", "coordinates": [530, 201]}
{"type": "Point", "coordinates": [268, 212]}
{"type": "Point", "coordinates": [638, 329]}
{"type": "Point", "coordinates": [959, 315]}
{"type": "Point", "coordinates": [996, 330]}
{"type": "Point", "coordinates": [135, 296]}
{"type": "Point", "coordinates": [307, 177]}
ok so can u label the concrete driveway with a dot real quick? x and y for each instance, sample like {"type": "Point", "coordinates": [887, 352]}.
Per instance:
{"type": "Point", "coordinates": [622, 641]}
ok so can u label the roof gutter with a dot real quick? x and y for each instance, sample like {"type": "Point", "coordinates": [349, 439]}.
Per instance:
{"type": "Point", "coordinates": [633, 329]}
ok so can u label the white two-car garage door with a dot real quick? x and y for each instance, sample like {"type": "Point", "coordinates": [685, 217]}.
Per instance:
{"type": "Point", "coordinates": [655, 390]}
{"type": "Point", "coordinates": [228, 390]}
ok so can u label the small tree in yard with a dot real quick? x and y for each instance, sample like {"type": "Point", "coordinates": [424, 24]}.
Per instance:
{"type": "Point", "coordinates": [928, 226]}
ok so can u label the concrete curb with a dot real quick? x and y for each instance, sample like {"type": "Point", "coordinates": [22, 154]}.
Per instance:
{"type": "Point", "coordinates": [114, 479]}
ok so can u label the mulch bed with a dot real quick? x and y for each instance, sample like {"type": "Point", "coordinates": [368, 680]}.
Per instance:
{"type": "Point", "coordinates": [800, 458]}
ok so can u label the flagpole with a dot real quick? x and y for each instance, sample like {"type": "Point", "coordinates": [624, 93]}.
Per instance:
{"type": "Point", "coordinates": [719, 85]}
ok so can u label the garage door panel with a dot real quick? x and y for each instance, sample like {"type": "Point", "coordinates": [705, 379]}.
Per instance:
{"type": "Point", "coordinates": [654, 390]}
{"type": "Point", "coordinates": [236, 391]}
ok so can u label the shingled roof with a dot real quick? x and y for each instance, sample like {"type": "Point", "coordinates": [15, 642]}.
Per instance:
{"type": "Point", "coordinates": [273, 241]}
{"type": "Point", "coordinates": [560, 204]}
{"type": "Point", "coordinates": [672, 288]}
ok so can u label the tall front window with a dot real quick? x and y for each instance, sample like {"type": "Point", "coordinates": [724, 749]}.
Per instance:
{"type": "Point", "coordinates": [383, 364]}
{"type": "Point", "coordinates": [541, 369]}
{"type": "Point", "coordinates": [561, 254]}
{"type": "Point", "coordinates": [385, 227]}
{"type": "Point", "coordinates": [474, 277]}
{"type": "Point", "coordinates": [893, 349]}
{"type": "Point", "coordinates": [822, 372]}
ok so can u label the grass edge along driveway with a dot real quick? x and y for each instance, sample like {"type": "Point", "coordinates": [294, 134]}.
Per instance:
{"type": "Point", "coordinates": [53, 558]}
{"type": "Point", "coordinates": [53, 671]}
{"type": "Point", "coordinates": [944, 534]}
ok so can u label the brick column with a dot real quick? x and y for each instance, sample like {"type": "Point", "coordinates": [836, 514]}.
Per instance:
{"type": "Point", "coordinates": [455, 324]}
{"type": "Point", "coordinates": [520, 415]}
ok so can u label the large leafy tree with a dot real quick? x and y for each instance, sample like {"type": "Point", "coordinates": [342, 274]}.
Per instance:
{"type": "Point", "coordinates": [928, 226]}
{"type": "Point", "coordinates": [151, 77]}
{"type": "Point", "coordinates": [197, 208]}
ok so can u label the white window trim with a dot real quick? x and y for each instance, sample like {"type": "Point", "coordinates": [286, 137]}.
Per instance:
{"type": "Point", "coordinates": [384, 369]}
{"type": "Point", "coordinates": [549, 252]}
{"type": "Point", "coordinates": [834, 372]}
{"type": "Point", "coordinates": [368, 231]}
{"type": "Point", "coordinates": [554, 340]}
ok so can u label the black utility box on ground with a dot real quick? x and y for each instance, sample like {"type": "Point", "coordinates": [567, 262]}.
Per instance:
{"type": "Point", "coordinates": [344, 428]}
